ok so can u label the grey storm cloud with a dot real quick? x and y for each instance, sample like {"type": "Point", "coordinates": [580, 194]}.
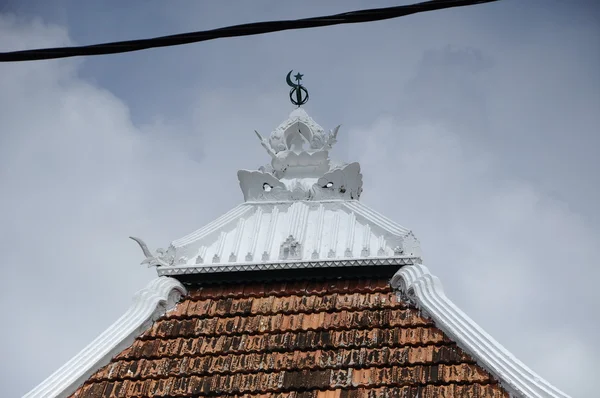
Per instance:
{"type": "Point", "coordinates": [477, 128]}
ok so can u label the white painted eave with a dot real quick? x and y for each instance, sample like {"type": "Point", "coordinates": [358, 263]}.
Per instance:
{"type": "Point", "coordinates": [256, 235]}
{"type": "Point", "coordinates": [149, 304]}
{"type": "Point", "coordinates": [419, 286]}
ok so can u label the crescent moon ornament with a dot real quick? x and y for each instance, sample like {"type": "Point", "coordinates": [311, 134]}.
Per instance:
{"type": "Point", "coordinates": [289, 81]}
{"type": "Point", "coordinates": [298, 94]}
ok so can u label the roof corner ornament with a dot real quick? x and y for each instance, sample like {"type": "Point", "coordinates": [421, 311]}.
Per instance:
{"type": "Point", "coordinates": [332, 138]}
{"type": "Point", "coordinates": [161, 258]}
{"type": "Point", "coordinates": [298, 90]}
{"type": "Point", "coordinates": [266, 145]}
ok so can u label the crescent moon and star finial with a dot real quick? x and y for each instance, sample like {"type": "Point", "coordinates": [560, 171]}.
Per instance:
{"type": "Point", "coordinates": [298, 93]}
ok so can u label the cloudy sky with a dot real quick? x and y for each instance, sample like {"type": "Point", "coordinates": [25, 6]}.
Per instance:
{"type": "Point", "coordinates": [476, 127]}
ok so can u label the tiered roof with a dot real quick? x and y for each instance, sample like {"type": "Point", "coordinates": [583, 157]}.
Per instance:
{"type": "Point", "coordinates": [301, 211]}
{"type": "Point", "coordinates": [300, 291]}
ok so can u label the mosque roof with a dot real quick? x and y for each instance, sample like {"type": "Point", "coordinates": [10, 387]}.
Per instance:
{"type": "Point", "coordinates": [300, 291]}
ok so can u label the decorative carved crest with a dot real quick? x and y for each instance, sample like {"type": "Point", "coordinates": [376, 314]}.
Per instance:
{"type": "Point", "coordinates": [300, 167]}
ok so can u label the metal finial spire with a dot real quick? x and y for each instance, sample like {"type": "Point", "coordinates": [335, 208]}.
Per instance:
{"type": "Point", "coordinates": [298, 91]}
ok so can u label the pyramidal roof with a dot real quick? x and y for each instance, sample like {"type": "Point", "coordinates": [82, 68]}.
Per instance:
{"type": "Point", "coordinates": [300, 291]}
{"type": "Point", "coordinates": [301, 211]}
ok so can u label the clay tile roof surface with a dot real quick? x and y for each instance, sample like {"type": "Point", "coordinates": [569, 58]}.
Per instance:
{"type": "Point", "coordinates": [341, 338]}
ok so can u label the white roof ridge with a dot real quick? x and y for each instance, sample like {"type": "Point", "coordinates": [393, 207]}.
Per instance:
{"type": "Point", "coordinates": [425, 290]}
{"type": "Point", "coordinates": [158, 297]}
{"type": "Point", "coordinates": [237, 212]}
{"type": "Point", "coordinates": [376, 217]}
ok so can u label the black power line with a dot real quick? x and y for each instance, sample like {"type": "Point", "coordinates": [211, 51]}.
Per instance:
{"type": "Point", "coordinates": [377, 14]}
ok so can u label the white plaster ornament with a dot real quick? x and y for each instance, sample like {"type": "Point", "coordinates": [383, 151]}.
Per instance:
{"type": "Point", "coordinates": [300, 167]}
{"type": "Point", "coordinates": [162, 257]}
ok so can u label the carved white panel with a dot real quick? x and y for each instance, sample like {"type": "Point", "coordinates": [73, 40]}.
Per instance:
{"type": "Point", "coordinates": [322, 230]}
{"type": "Point", "coordinates": [300, 167]}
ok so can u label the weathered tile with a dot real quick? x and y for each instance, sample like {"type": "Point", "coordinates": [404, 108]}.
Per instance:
{"type": "Point", "coordinates": [303, 339]}
{"type": "Point", "coordinates": [180, 309]}
{"type": "Point", "coordinates": [114, 390]}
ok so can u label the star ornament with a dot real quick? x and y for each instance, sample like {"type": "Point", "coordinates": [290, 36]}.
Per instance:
{"type": "Point", "coordinates": [298, 77]}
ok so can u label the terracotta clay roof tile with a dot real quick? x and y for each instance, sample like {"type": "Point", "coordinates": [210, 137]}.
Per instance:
{"type": "Point", "coordinates": [341, 338]}
{"type": "Point", "coordinates": [280, 289]}
{"type": "Point", "coordinates": [279, 361]}
{"type": "Point", "coordinates": [385, 317]}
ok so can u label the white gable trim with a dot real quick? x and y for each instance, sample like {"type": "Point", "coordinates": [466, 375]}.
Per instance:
{"type": "Point", "coordinates": [417, 284]}
{"type": "Point", "coordinates": [376, 218]}
{"type": "Point", "coordinates": [150, 303]}
{"type": "Point", "coordinates": [226, 218]}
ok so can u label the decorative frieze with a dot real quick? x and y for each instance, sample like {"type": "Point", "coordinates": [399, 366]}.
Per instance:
{"type": "Point", "coordinates": [399, 261]}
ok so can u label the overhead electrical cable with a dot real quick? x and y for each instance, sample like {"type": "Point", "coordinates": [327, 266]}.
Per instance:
{"type": "Point", "coordinates": [377, 14]}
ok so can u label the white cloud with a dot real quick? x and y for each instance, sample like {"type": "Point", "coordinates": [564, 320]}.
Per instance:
{"type": "Point", "coordinates": [77, 179]}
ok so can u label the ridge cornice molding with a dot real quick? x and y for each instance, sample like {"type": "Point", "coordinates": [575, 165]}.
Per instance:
{"type": "Point", "coordinates": [283, 265]}
{"type": "Point", "coordinates": [416, 284]}
{"type": "Point", "coordinates": [150, 303]}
